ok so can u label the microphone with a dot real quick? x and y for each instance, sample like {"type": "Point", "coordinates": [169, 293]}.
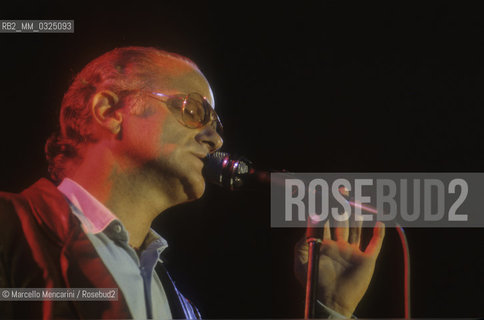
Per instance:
{"type": "Point", "coordinates": [232, 172]}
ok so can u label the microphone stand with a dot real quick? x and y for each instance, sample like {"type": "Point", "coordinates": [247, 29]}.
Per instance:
{"type": "Point", "coordinates": [230, 172]}
{"type": "Point", "coordinates": [313, 239]}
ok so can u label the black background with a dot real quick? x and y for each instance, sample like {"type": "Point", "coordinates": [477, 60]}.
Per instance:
{"type": "Point", "coordinates": [305, 86]}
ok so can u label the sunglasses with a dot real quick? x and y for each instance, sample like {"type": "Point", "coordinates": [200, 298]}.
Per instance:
{"type": "Point", "coordinates": [193, 110]}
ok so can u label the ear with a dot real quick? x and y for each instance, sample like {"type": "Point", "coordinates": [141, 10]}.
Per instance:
{"type": "Point", "coordinates": [105, 111]}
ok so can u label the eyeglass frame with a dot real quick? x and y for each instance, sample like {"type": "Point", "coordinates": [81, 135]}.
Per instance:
{"type": "Point", "coordinates": [213, 116]}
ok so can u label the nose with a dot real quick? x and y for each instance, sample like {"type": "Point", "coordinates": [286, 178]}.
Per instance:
{"type": "Point", "coordinates": [209, 137]}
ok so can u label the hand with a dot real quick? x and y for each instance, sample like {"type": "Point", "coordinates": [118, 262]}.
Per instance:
{"type": "Point", "coordinates": [345, 270]}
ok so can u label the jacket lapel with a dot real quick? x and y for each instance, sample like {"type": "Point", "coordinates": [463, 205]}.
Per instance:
{"type": "Point", "coordinates": [176, 308]}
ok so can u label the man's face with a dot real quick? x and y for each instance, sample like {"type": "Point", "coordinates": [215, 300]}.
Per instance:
{"type": "Point", "coordinates": [160, 149]}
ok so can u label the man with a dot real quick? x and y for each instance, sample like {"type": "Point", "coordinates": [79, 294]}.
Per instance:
{"type": "Point", "coordinates": [135, 126]}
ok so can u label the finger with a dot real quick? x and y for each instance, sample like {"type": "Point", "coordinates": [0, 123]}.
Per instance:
{"type": "Point", "coordinates": [355, 231]}
{"type": "Point", "coordinates": [342, 230]}
{"type": "Point", "coordinates": [376, 241]}
{"type": "Point", "coordinates": [326, 231]}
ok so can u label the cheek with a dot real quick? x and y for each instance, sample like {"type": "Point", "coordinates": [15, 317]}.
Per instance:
{"type": "Point", "coordinates": [168, 148]}
{"type": "Point", "coordinates": [142, 138]}
{"type": "Point", "coordinates": [173, 137]}
{"type": "Point", "coordinates": [157, 137]}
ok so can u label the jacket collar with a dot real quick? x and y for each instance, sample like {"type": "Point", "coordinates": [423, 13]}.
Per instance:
{"type": "Point", "coordinates": [50, 209]}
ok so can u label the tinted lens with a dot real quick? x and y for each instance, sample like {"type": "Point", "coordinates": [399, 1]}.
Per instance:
{"type": "Point", "coordinates": [176, 102]}
{"type": "Point", "coordinates": [194, 113]}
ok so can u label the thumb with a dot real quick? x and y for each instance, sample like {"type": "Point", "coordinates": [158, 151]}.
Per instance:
{"type": "Point", "coordinates": [301, 251]}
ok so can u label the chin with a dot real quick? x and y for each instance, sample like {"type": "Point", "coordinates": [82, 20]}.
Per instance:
{"type": "Point", "coordinates": [194, 188]}
{"type": "Point", "coordinates": [198, 191]}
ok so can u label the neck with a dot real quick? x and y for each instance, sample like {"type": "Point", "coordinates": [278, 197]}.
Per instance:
{"type": "Point", "coordinates": [131, 195]}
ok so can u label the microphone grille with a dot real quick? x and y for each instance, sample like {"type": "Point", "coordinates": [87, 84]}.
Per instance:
{"type": "Point", "coordinates": [223, 169]}
{"type": "Point", "coordinates": [217, 156]}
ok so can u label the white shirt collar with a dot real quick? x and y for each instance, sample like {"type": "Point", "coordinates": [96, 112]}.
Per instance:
{"type": "Point", "coordinates": [96, 217]}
